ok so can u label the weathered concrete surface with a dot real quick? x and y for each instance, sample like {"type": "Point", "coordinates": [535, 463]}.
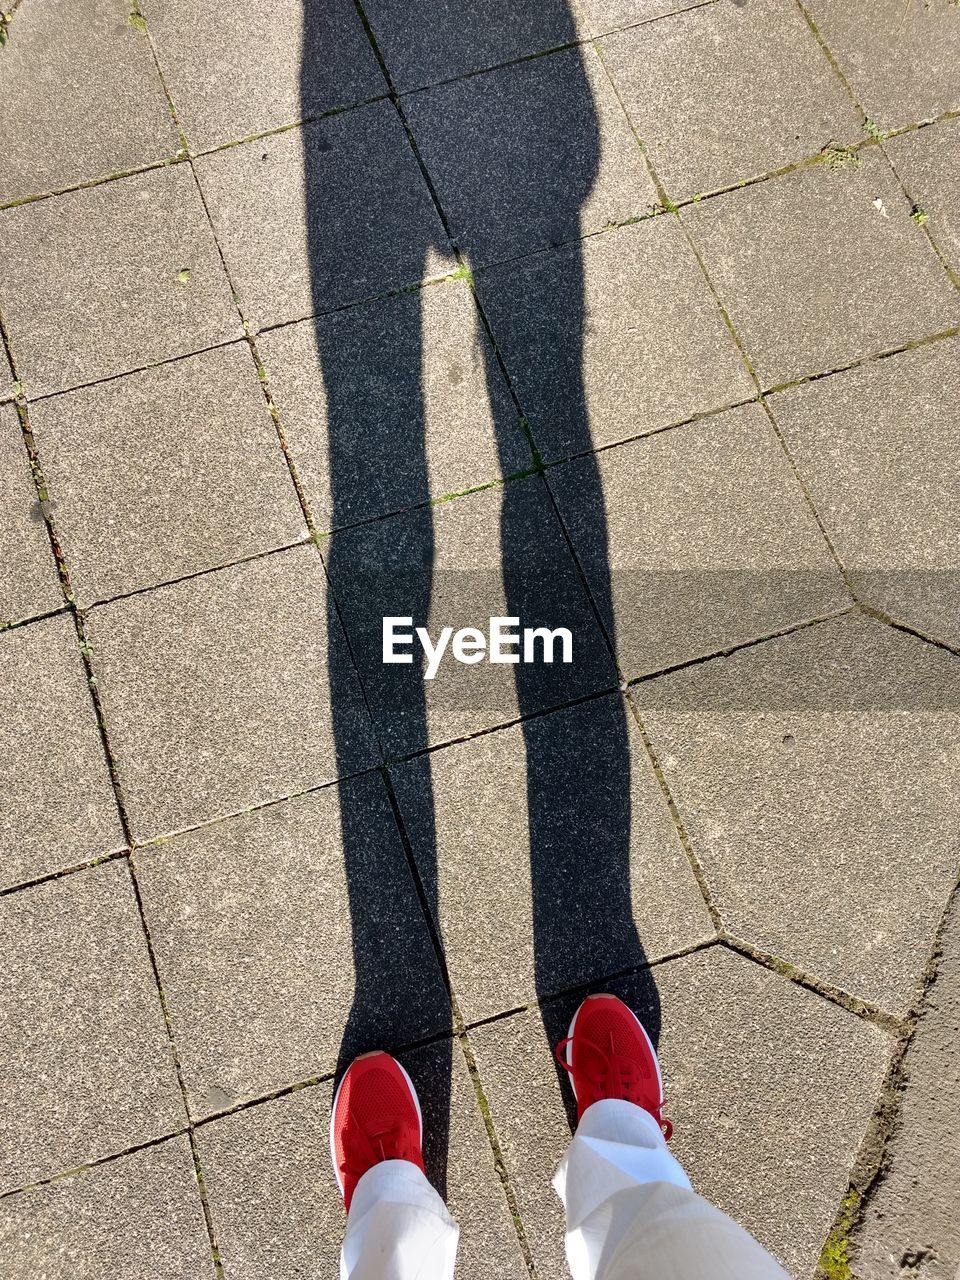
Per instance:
{"type": "Point", "coordinates": [130, 1218]}
{"type": "Point", "coordinates": [704, 537]}
{"type": "Point", "coordinates": [861, 276]}
{"type": "Point", "coordinates": [251, 924]}
{"type": "Point", "coordinates": [30, 583]}
{"type": "Point", "coordinates": [497, 553]}
{"type": "Point", "coordinates": [928, 162]}
{"type": "Point", "coordinates": [900, 58]}
{"type": "Point", "coordinates": [314, 218]}
{"type": "Point", "coordinates": [217, 692]}
{"type": "Point", "coordinates": [275, 1206]}
{"type": "Point", "coordinates": [164, 473]}
{"type": "Point", "coordinates": [649, 349]}
{"type": "Point", "coordinates": [809, 784]}
{"type": "Point", "coordinates": [410, 416]}
{"type": "Point", "coordinates": [537, 153]}
{"type": "Point", "coordinates": [550, 857]}
{"type": "Point", "coordinates": [88, 64]}
{"type": "Point", "coordinates": [423, 42]}
{"type": "Point", "coordinates": [268, 71]}
{"type": "Point", "coordinates": [911, 1225]}
{"type": "Point", "coordinates": [58, 805]}
{"type": "Point", "coordinates": [100, 281]}
{"type": "Point", "coordinates": [769, 1088]}
{"type": "Point", "coordinates": [877, 448]}
{"type": "Point", "coordinates": [82, 1028]}
{"type": "Point", "coordinates": [818, 777]}
{"type": "Point", "coordinates": [728, 91]}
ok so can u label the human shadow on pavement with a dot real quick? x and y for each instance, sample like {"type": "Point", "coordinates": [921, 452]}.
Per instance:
{"type": "Point", "coordinates": [518, 152]}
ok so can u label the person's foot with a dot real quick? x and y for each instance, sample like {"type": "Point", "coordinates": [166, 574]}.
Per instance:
{"type": "Point", "coordinates": [608, 1054]}
{"type": "Point", "coordinates": [376, 1117]}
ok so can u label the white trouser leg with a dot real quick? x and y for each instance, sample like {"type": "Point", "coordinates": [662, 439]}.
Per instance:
{"type": "Point", "coordinates": [398, 1228]}
{"type": "Point", "coordinates": [632, 1214]}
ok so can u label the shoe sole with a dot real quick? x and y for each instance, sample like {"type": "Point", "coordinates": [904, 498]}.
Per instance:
{"type": "Point", "coordinates": [568, 1051]}
{"type": "Point", "coordinates": [333, 1117]}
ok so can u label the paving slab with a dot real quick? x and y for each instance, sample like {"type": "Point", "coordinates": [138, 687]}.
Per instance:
{"type": "Point", "coordinates": [251, 924]}
{"type": "Point", "coordinates": [275, 1203]}
{"type": "Point", "coordinates": [83, 1027]}
{"type": "Point", "coordinates": [612, 338]}
{"type": "Point", "coordinates": [216, 692]}
{"type": "Point", "coordinates": [928, 161]}
{"type": "Point", "coordinates": [548, 856]}
{"type": "Point", "coordinates": [499, 553]}
{"type": "Point", "coordinates": [422, 42]}
{"type": "Point", "coordinates": [900, 59]}
{"type": "Point", "coordinates": [816, 776]}
{"type": "Point", "coordinates": [696, 539]}
{"type": "Point", "coordinates": [860, 275]}
{"type": "Point", "coordinates": [596, 17]}
{"type": "Point", "coordinates": [530, 155]}
{"type": "Point", "coordinates": [259, 70]}
{"type": "Point", "coordinates": [59, 808]}
{"type": "Point", "coordinates": [387, 405]}
{"type": "Point", "coordinates": [88, 64]}
{"type": "Point", "coordinates": [318, 217]}
{"type": "Point", "coordinates": [165, 472]}
{"type": "Point", "coordinates": [132, 1217]}
{"type": "Point", "coordinates": [728, 91]}
{"type": "Point", "coordinates": [30, 582]}
{"type": "Point", "coordinates": [108, 279]}
{"type": "Point", "coordinates": [769, 1087]}
{"type": "Point", "coordinates": [877, 449]}
{"type": "Point", "coordinates": [910, 1224]}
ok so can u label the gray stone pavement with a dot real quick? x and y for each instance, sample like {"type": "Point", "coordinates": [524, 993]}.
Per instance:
{"type": "Point", "coordinates": [641, 312]}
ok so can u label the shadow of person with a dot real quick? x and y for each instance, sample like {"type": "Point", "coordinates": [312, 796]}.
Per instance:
{"type": "Point", "coordinates": [511, 155]}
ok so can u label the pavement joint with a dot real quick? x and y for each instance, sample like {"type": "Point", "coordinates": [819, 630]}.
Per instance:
{"type": "Point", "coordinates": [871, 1160]}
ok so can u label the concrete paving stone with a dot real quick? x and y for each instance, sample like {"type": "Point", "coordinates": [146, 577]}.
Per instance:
{"type": "Point", "coordinates": [108, 279]}
{"type": "Point", "coordinates": [696, 539]}
{"type": "Point", "coordinates": [30, 583]}
{"type": "Point", "coordinates": [840, 244]}
{"type": "Point", "coordinates": [928, 162]}
{"type": "Point", "coordinates": [596, 17]}
{"type": "Point", "coordinates": [817, 778]}
{"type": "Point", "coordinates": [136, 1216]}
{"type": "Point", "coordinates": [728, 91]}
{"type": "Point", "coordinates": [423, 42]}
{"type": "Point", "coordinates": [497, 553]}
{"type": "Point", "coordinates": [318, 217]}
{"type": "Point", "coordinates": [878, 452]}
{"type": "Point", "coordinates": [530, 155]}
{"type": "Point", "coordinates": [251, 925]}
{"type": "Point", "coordinates": [164, 473]}
{"type": "Point", "coordinates": [59, 809]}
{"type": "Point", "coordinates": [612, 338]}
{"type": "Point", "coordinates": [506, 826]}
{"type": "Point", "coordinates": [216, 691]}
{"type": "Point", "coordinates": [910, 1224]}
{"type": "Point", "coordinates": [900, 59]}
{"type": "Point", "coordinates": [87, 1066]}
{"type": "Point", "coordinates": [86, 63]}
{"type": "Point", "coordinates": [275, 1203]}
{"type": "Point", "coordinates": [769, 1086]}
{"type": "Point", "coordinates": [260, 68]}
{"type": "Point", "coordinates": [408, 416]}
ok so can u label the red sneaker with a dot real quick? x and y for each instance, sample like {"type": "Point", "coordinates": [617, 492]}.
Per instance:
{"type": "Point", "coordinates": [376, 1117]}
{"type": "Point", "coordinates": [609, 1055]}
